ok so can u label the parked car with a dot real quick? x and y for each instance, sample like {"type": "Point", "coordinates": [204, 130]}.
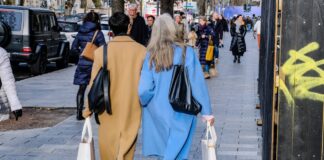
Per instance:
{"type": "Point", "coordinates": [33, 36]}
{"type": "Point", "coordinates": [70, 30]}
{"type": "Point", "coordinates": [105, 29]}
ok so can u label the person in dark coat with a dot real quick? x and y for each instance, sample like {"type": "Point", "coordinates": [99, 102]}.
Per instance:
{"type": "Point", "coordinates": [204, 33]}
{"type": "Point", "coordinates": [90, 25]}
{"type": "Point", "coordinates": [139, 30]}
{"type": "Point", "coordinates": [217, 27]}
{"type": "Point", "coordinates": [238, 31]}
{"type": "Point", "coordinates": [150, 22]}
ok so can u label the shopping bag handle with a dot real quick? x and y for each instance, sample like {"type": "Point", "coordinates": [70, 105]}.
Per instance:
{"type": "Point", "coordinates": [212, 132]}
{"type": "Point", "coordinates": [87, 127]}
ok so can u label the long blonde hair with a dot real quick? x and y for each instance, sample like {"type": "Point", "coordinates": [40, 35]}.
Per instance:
{"type": "Point", "coordinates": [161, 43]}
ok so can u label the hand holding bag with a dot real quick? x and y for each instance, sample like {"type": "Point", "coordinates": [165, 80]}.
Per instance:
{"type": "Point", "coordinates": [86, 147]}
{"type": "Point", "coordinates": [208, 145]}
{"type": "Point", "coordinates": [180, 94]}
{"type": "Point", "coordinates": [89, 49]}
{"type": "Point", "coordinates": [99, 97]}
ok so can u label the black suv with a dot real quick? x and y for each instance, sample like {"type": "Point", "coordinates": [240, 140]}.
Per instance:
{"type": "Point", "coordinates": [33, 36]}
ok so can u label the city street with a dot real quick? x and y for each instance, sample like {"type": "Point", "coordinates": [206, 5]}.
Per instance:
{"type": "Point", "coordinates": [233, 96]}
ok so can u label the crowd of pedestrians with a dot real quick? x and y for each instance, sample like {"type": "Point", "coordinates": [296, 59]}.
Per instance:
{"type": "Point", "coordinates": [141, 60]}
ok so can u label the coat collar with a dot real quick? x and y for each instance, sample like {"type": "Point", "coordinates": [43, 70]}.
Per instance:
{"type": "Point", "coordinates": [122, 39]}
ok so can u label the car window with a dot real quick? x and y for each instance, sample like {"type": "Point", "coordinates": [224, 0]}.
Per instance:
{"type": "Point", "coordinates": [69, 27]}
{"type": "Point", "coordinates": [52, 21]}
{"type": "Point", "coordinates": [45, 19]}
{"type": "Point", "coordinates": [36, 25]}
{"type": "Point", "coordinates": [104, 27]}
{"type": "Point", "coordinates": [12, 18]}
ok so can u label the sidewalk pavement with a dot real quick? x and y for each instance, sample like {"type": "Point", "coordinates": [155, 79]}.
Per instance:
{"type": "Point", "coordinates": [233, 96]}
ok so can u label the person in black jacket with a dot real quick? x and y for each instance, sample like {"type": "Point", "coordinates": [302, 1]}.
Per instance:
{"type": "Point", "coordinates": [139, 30]}
{"type": "Point", "coordinates": [217, 27]}
{"type": "Point", "coordinates": [238, 31]}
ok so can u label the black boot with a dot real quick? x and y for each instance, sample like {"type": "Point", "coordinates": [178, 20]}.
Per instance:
{"type": "Point", "coordinates": [234, 59]}
{"type": "Point", "coordinates": [80, 102]}
{"type": "Point", "coordinates": [239, 59]}
{"type": "Point", "coordinates": [17, 113]}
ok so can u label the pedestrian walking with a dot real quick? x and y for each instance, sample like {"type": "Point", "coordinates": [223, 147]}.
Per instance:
{"type": "Point", "coordinates": [257, 30]}
{"type": "Point", "coordinates": [238, 31]}
{"type": "Point", "coordinates": [150, 22]}
{"type": "Point", "coordinates": [205, 33]}
{"type": "Point", "coordinates": [118, 131]}
{"type": "Point", "coordinates": [168, 134]}
{"type": "Point", "coordinates": [138, 30]}
{"type": "Point", "coordinates": [7, 83]}
{"type": "Point", "coordinates": [217, 27]}
{"type": "Point", "coordinates": [181, 29]}
{"type": "Point", "coordinates": [90, 30]}
{"type": "Point", "coordinates": [225, 29]}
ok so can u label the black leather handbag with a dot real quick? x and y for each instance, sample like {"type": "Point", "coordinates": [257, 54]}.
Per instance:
{"type": "Point", "coordinates": [99, 97]}
{"type": "Point", "coordinates": [180, 94]}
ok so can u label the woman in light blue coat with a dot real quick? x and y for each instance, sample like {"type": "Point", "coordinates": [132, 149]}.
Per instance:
{"type": "Point", "coordinates": [168, 134]}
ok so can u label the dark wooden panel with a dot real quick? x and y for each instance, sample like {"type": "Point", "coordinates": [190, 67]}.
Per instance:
{"type": "Point", "coordinates": [300, 132]}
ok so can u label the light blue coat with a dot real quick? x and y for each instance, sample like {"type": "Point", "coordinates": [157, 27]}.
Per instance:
{"type": "Point", "coordinates": [166, 133]}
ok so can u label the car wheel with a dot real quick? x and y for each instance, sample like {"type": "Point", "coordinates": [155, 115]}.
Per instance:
{"type": "Point", "coordinates": [39, 67]}
{"type": "Point", "coordinates": [64, 62]}
{"type": "Point", "coordinates": [5, 34]}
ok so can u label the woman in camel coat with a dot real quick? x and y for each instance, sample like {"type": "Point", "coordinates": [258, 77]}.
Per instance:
{"type": "Point", "coordinates": [118, 132]}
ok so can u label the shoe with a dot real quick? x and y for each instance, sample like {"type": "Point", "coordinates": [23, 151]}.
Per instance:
{"type": "Point", "coordinates": [17, 113]}
{"type": "Point", "coordinates": [79, 116]}
{"type": "Point", "coordinates": [217, 61]}
{"type": "Point", "coordinates": [80, 103]}
{"type": "Point", "coordinates": [238, 61]}
{"type": "Point", "coordinates": [234, 60]}
{"type": "Point", "coordinates": [213, 72]}
{"type": "Point", "coordinates": [206, 75]}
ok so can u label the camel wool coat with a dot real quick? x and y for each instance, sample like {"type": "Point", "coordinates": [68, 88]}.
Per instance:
{"type": "Point", "coordinates": [118, 132]}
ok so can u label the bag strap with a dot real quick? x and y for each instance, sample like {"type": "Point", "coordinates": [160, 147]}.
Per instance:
{"type": "Point", "coordinates": [87, 127]}
{"type": "Point", "coordinates": [184, 52]}
{"type": "Point", "coordinates": [105, 57]}
{"type": "Point", "coordinates": [94, 36]}
{"type": "Point", "coordinates": [106, 81]}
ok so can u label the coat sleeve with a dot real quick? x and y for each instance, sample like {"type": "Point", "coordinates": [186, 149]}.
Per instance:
{"type": "Point", "coordinates": [244, 31]}
{"type": "Point", "coordinates": [100, 39]}
{"type": "Point", "coordinates": [8, 81]}
{"type": "Point", "coordinates": [76, 44]}
{"type": "Point", "coordinates": [146, 84]}
{"type": "Point", "coordinates": [198, 83]}
{"type": "Point", "coordinates": [232, 30]}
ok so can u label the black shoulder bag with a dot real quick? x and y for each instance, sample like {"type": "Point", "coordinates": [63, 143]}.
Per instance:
{"type": "Point", "coordinates": [180, 95]}
{"type": "Point", "coordinates": [99, 97]}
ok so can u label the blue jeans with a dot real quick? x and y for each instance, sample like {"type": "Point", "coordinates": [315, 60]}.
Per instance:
{"type": "Point", "coordinates": [216, 51]}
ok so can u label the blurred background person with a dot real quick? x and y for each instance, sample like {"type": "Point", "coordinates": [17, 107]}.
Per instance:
{"type": "Point", "coordinates": [150, 21]}
{"type": "Point", "coordinates": [138, 30]}
{"type": "Point", "coordinates": [238, 32]}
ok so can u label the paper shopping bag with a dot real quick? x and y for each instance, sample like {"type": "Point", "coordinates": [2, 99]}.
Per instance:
{"type": "Point", "coordinates": [208, 145]}
{"type": "Point", "coordinates": [86, 147]}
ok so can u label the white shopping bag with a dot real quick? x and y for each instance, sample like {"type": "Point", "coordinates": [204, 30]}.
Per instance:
{"type": "Point", "coordinates": [208, 145]}
{"type": "Point", "coordinates": [86, 147]}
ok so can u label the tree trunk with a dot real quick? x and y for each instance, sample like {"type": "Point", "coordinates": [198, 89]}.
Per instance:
{"type": "Point", "coordinates": [202, 7]}
{"type": "Point", "coordinates": [83, 3]}
{"type": "Point", "coordinates": [117, 6]}
{"type": "Point", "coordinates": [167, 6]}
